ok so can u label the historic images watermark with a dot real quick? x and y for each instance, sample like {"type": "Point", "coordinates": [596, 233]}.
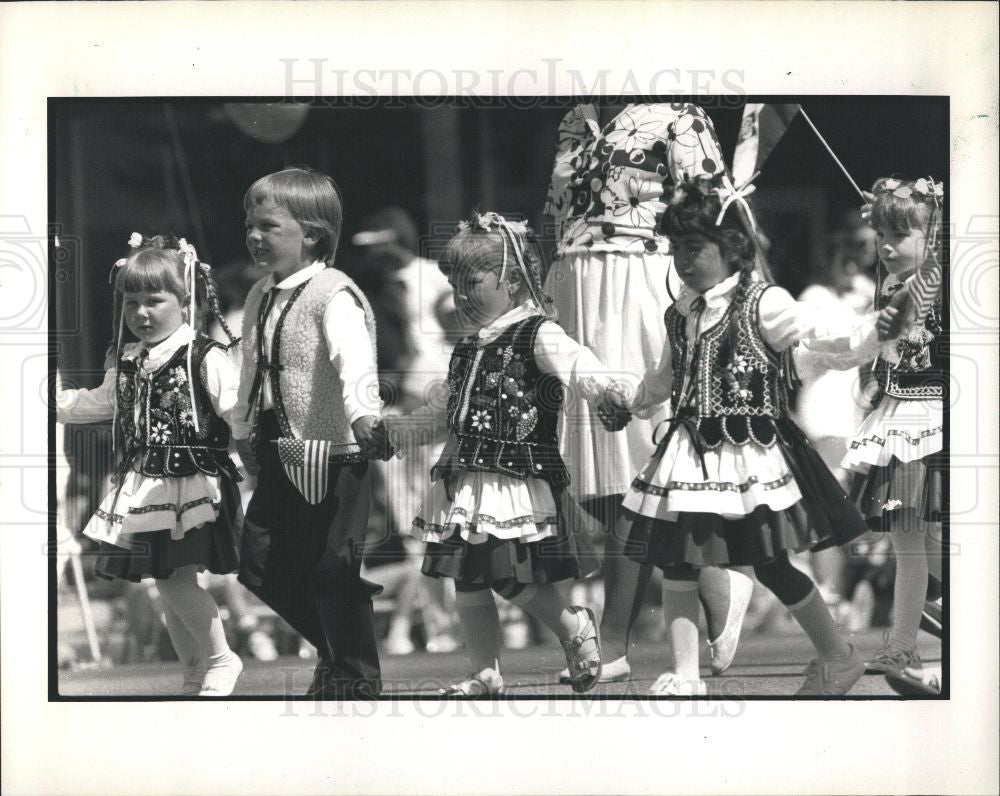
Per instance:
{"type": "Point", "coordinates": [530, 86]}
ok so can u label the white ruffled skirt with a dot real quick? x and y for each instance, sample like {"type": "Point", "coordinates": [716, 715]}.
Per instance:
{"type": "Point", "coordinates": [147, 504]}
{"type": "Point", "coordinates": [905, 430]}
{"type": "Point", "coordinates": [487, 505]}
{"type": "Point", "coordinates": [613, 304]}
{"type": "Point", "coordinates": [740, 478]}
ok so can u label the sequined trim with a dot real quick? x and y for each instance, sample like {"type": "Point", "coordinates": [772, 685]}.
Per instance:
{"type": "Point", "coordinates": [485, 518]}
{"type": "Point", "coordinates": [172, 507]}
{"type": "Point", "coordinates": [710, 486]}
{"type": "Point", "coordinates": [930, 432]}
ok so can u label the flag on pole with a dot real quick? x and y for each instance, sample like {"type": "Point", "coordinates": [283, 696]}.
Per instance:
{"type": "Point", "coordinates": [306, 463]}
{"type": "Point", "coordinates": [762, 127]}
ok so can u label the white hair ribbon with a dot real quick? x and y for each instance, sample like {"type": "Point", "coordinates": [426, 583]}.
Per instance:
{"type": "Point", "coordinates": [729, 194]}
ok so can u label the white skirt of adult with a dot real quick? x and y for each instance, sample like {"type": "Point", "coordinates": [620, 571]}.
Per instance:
{"type": "Point", "coordinates": [613, 303]}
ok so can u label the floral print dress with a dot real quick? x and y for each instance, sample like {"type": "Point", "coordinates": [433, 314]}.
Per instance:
{"type": "Point", "coordinates": [609, 189]}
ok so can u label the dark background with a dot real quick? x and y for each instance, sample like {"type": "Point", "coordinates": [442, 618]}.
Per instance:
{"type": "Point", "coordinates": [182, 166]}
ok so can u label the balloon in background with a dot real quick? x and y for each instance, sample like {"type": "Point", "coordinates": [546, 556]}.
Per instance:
{"type": "Point", "coordinates": [271, 123]}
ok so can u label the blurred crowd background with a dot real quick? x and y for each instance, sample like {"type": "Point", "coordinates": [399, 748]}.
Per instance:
{"type": "Point", "coordinates": [409, 171]}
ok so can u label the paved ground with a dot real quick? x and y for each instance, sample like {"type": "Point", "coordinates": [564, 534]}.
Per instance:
{"type": "Point", "coordinates": [765, 666]}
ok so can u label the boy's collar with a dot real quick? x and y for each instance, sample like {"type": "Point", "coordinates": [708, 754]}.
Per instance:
{"type": "Point", "coordinates": [297, 278]}
{"type": "Point", "coordinates": [715, 295]}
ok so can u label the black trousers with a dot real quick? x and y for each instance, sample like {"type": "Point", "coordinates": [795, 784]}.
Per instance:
{"type": "Point", "coordinates": [304, 561]}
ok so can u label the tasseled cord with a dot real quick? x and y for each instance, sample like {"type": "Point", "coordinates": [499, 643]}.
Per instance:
{"type": "Point", "coordinates": [118, 350]}
{"type": "Point", "coordinates": [190, 274]}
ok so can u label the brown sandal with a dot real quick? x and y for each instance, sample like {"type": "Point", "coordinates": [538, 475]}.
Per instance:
{"type": "Point", "coordinates": [583, 654]}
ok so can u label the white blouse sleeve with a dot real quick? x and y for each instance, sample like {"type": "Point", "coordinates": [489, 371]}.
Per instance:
{"type": "Point", "coordinates": [222, 383]}
{"type": "Point", "coordinates": [655, 387]}
{"type": "Point", "coordinates": [573, 364]}
{"type": "Point", "coordinates": [87, 406]}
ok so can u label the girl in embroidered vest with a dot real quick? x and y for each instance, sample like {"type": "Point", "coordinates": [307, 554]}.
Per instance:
{"type": "Point", "coordinates": [733, 481]}
{"type": "Point", "coordinates": [614, 169]}
{"type": "Point", "coordinates": [897, 454]}
{"type": "Point", "coordinates": [498, 516]}
{"type": "Point", "coordinates": [175, 506]}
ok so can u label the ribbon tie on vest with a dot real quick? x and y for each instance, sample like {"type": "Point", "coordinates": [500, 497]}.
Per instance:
{"type": "Point", "coordinates": [265, 368]}
{"type": "Point", "coordinates": [689, 422]}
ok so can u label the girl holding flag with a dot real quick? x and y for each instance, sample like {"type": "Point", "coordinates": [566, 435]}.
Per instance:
{"type": "Point", "coordinates": [733, 480]}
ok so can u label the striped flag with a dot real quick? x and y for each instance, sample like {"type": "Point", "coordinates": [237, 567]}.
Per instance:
{"type": "Point", "coordinates": [925, 286]}
{"type": "Point", "coordinates": [762, 127]}
{"type": "Point", "coordinates": [306, 464]}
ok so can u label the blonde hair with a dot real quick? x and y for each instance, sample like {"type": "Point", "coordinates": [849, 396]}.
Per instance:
{"type": "Point", "coordinates": [311, 198]}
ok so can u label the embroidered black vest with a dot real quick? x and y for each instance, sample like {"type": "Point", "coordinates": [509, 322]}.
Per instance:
{"type": "Point", "coordinates": [164, 440]}
{"type": "Point", "coordinates": [503, 410]}
{"type": "Point", "coordinates": [920, 374]}
{"type": "Point", "coordinates": [738, 384]}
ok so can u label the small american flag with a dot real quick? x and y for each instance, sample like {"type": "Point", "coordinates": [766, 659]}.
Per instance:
{"type": "Point", "coordinates": [306, 464]}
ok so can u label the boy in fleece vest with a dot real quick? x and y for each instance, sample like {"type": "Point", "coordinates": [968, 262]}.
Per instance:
{"type": "Point", "coordinates": [308, 374]}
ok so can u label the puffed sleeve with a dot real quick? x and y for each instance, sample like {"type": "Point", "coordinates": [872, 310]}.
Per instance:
{"type": "Point", "coordinates": [655, 387]}
{"type": "Point", "coordinates": [575, 365]}
{"type": "Point", "coordinates": [222, 382]}
{"type": "Point", "coordinates": [87, 406]}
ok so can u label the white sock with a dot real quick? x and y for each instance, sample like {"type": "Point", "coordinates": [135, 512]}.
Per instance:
{"type": "Point", "coordinates": [814, 617]}
{"type": "Point", "coordinates": [196, 609]}
{"type": "Point", "coordinates": [680, 612]}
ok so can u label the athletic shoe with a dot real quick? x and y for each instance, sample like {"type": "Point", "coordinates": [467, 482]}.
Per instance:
{"type": "Point", "coordinates": [669, 684]}
{"type": "Point", "coordinates": [892, 659]}
{"type": "Point", "coordinates": [832, 676]}
{"type": "Point", "coordinates": [916, 682]}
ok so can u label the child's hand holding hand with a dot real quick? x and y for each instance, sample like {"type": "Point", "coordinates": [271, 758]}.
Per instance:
{"type": "Point", "coordinates": [894, 317]}
{"type": "Point", "coordinates": [613, 410]}
{"type": "Point", "coordinates": [372, 436]}
{"type": "Point", "coordinates": [245, 451]}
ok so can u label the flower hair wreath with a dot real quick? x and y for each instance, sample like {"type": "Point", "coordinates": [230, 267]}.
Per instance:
{"type": "Point", "coordinates": [925, 187]}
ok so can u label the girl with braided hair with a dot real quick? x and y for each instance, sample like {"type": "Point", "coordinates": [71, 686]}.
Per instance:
{"type": "Point", "coordinates": [175, 506]}
{"type": "Point", "coordinates": [498, 517]}
{"type": "Point", "coordinates": [733, 481]}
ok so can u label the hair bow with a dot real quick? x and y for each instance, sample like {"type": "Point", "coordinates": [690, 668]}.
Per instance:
{"type": "Point", "coordinates": [730, 194]}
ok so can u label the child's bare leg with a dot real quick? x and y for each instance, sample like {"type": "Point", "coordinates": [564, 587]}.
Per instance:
{"type": "Point", "coordinates": [714, 592]}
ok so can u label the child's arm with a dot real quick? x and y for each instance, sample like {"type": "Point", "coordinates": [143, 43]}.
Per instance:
{"type": "Point", "coordinates": [575, 365]}
{"type": "Point", "coordinates": [222, 383]}
{"type": "Point", "coordinates": [87, 406]}
{"type": "Point", "coordinates": [350, 353]}
{"type": "Point", "coordinates": [654, 390]}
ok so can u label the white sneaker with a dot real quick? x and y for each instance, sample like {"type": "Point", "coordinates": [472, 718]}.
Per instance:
{"type": "Point", "coordinates": [221, 677]}
{"type": "Point", "coordinates": [832, 676]}
{"type": "Point", "coordinates": [615, 671]}
{"type": "Point", "coordinates": [723, 649]}
{"type": "Point", "coordinates": [669, 684]}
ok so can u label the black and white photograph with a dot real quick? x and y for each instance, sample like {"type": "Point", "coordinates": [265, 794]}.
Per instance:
{"type": "Point", "coordinates": [387, 397]}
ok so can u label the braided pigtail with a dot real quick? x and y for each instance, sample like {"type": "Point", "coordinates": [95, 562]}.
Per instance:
{"type": "Point", "coordinates": [212, 299]}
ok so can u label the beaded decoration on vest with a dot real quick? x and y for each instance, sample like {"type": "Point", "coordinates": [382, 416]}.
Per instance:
{"type": "Point", "coordinates": [164, 438]}
{"type": "Point", "coordinates": [920, 373]}
{"type": "Point", "coordinates": [739, 383]}
{"type": "Point", "coordinates": [503, 410]}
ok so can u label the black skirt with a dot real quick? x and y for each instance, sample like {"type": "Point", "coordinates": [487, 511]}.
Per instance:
{"type": "Point", "coordinates": [917, 484]}
{"type": "Point", "coordinates": [568, 554]}
{"type": "Point", "coordinates": [824, 517]}
{"type": "Point", "coordinates": [212, 546]}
